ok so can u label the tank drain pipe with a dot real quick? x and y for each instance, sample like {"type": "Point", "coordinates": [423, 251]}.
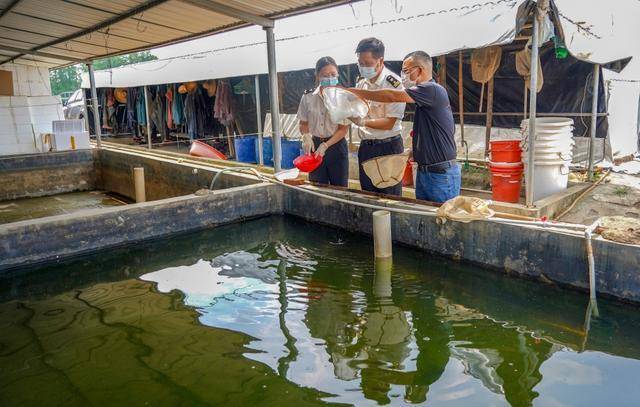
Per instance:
{"type": "Point", "coordinates": [235, 169]}
{"type": "Point", "coordinates": [588, 232]}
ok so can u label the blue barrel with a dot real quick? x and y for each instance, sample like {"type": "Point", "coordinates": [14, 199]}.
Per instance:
{"type": "Point", "coordinates": [246, 149]}
{"type": "Point", "coordinates": [291, 149]}
{"type": "Point", "coordinates": [267, 151]}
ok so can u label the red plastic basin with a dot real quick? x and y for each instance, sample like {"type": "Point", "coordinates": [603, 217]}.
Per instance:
{"type": "Point", "coordinates": [307, 162]}
{"type": "Point", "coordinates": [200, 149]}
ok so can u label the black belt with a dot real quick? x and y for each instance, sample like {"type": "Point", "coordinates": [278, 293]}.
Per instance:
{"type": "Point", "coordinates": [322, 138]}
{"type": "Point", "coordinates": [374, 142]}
{"type": "Point", "coordinates": [438, 168]}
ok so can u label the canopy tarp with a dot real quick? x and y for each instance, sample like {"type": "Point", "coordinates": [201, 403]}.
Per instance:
{"type": "Point", "coordinates": [52, 33]}
{"type": "Point", "coordinates": [600, 33]}
{"type": "Point", "coordinates": [438, 27]}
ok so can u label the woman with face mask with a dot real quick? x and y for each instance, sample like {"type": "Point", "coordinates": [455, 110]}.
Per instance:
{"type": "Point", "coordinates": [320, 135]}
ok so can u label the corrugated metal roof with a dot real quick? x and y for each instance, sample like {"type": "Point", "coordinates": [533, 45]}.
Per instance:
{"type": "Point", "coordinates": [54, 32]}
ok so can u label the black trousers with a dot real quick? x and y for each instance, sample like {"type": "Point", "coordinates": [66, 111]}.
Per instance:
{"type": "Point", "coordinates": [377, 148]}
{"type": "Point", "coordinates": [334, 169]}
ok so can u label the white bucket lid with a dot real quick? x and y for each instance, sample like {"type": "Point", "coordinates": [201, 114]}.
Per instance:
{"type": "Point", "coordinates": [550, 121]}
{"type": "Point", "coordinates": [548, 161]}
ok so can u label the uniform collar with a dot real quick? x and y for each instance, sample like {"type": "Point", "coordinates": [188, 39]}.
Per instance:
{"type": "Point", "coordinates": [316, 90]}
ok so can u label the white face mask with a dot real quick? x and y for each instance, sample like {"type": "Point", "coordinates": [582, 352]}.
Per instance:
{"type": "Point", "coordinates": [367, 72]}
{"type": "Point", "coordinates": [406, 82]}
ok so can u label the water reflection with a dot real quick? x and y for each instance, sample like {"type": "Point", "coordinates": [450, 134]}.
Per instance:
{"type": "Point", "coordinates": [324, 317]}
{"type": "Point", "coordinates": [378, 333]}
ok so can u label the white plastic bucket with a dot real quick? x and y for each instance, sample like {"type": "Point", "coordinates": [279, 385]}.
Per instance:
{"type": "Point", "coordinates": [550, 177]}
{"type": "Point", "coordinates": [549, 123]}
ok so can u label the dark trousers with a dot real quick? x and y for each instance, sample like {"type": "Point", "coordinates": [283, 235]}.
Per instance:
{"type": "Point", "coordinates": [377, 148]}
{"type": "Point", "coordinates": [334, 169]}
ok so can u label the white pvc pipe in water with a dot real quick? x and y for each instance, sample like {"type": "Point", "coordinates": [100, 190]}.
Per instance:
{"type": "Point", "coordinates": [138, 184]}
{"type": "Point", "coordinates": [382, 246]}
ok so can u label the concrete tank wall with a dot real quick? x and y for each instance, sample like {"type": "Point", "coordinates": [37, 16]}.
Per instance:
{"type": "Point", "coordinates": [528, 252]}
{"type": "Point", "coordinates": [55, 237]}
{"type": "Point", "coordinates": [46, 174]}
{"type": "Point", "coordinates": [163, 178]}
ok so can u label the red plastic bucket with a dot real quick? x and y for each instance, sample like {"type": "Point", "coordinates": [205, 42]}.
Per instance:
{"type": "Point", "coordinates": [506, 151]}
{"type": "Point", "coordinates": [506, 181]}
{"type": "Point", "coordinates": [307, 162]}
{"type": "Point", "coordinates": [200, 149]}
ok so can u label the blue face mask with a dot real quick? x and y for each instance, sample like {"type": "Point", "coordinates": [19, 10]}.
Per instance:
{"type": "Point", "coordinates": [328, 81]}
{"type": "Point", "coordinates": [367, 72]}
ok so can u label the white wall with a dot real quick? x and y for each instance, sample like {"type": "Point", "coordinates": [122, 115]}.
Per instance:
{"type": "Point", "coordinates": [29, 113]}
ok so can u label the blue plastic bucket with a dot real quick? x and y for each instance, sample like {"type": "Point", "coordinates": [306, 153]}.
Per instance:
{"type": "Point", "coordinates": [290, 150]}
{"type": "Point", "coordinates": [246, 149]}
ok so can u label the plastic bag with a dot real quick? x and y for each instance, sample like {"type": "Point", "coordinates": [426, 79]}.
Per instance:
{"type": "Point", "coordinates": [342, 104]}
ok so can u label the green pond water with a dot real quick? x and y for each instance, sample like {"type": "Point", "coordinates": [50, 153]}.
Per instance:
{"type": "Point", "coordinates": [279, 312]}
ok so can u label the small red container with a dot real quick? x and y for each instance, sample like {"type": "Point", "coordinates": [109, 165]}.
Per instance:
{"type": "Point", "coordinates": [407, 177]}
{"type": "Point", "coordinates": [307, 162]}
{"type": "Point", "coordinates": [506, 151]}
{"type": "Point", "coordinates": [506, 181]}
{"type": "Point", "coordinates": [200, 149]}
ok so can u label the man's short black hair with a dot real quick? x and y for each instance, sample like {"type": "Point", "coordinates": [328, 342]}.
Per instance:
{"type": "Point", "coordinates": [373, 45]}
{"type": "Point", "coordinates": [420, 57]}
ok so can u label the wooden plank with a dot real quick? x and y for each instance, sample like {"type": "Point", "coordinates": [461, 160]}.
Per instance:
{"type": "Point", "coordinates": [487, 134]}
{"type": "Point", "coordinates": [461, 97]}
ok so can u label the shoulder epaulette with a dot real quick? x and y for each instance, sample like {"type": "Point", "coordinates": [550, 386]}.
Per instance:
{"type": "Point", "coordinates": [393, 81]}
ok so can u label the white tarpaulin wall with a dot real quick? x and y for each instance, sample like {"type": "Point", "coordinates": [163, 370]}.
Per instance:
{"type": "Point", "coordinates": [601, 33]}
{"type": "Point", "coordinates": [607, 32]}
{"type": "Point", "coordinates": [437, 27]}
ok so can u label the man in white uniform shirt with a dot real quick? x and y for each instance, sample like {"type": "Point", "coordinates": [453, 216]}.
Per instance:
{"type": "Point", "coordinates": [380, 131]}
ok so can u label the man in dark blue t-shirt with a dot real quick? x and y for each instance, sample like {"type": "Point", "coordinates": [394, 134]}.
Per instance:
{"type": "Point", "coordinates": [434, 146]}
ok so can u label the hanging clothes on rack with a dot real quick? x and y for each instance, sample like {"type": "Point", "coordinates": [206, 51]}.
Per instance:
{"type": "Point", "coordinates": [132, 96]}
{"type": "Point", "coordinates": [111, 122]}
{"type": "Point", "coordinates": [190, 116]}
{"type": "Point", "coordinates": [169, 106]}
{"type": "Point", "coordinates": [140, 110]}
{"type": "Point", "coordinates": [222, 108]}
{"type": "Point", "coordinates": [158, 111]}
{"type": "Point", "coordinates": [177, 107]}
{"type": "Point", "coordinates": [102, 103]}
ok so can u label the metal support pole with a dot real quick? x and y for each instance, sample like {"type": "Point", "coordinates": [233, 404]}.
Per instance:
{"type": "Point", "coordinates": [94, 104]}
{"type": "Point", "coordinates": [533, 86]}
{"type": "Point", "coordinates": [594, 118]}
{"type": "Point", "coordinates": [273, 96]}
{"type": "Point", "coordinates": [146, 114]}
{"type": "Point", "coordinates": [86, 110]}
{"type": "Point", "coordinates": [259, 120]}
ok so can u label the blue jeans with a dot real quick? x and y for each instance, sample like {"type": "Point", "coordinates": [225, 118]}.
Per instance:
{"type": "Point", "coordinates": [436, 187]}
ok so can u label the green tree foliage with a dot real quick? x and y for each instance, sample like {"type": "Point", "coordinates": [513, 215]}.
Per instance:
{"type": "Point", "coordinates": [68, 79]}
{"type": "Point", "coordinates": [64, 79]}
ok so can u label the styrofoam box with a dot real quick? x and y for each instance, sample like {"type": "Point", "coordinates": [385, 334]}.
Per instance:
{"type": "Point", "coordinates": [67, 126]}
{"type": "Point", "coordinates": [62, 141]}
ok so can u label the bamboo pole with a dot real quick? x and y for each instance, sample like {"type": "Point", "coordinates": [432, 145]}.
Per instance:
{"type": "Point", "coordinates": [487, 134]}
{"type": "Point", "coordinates": [461, 97]}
